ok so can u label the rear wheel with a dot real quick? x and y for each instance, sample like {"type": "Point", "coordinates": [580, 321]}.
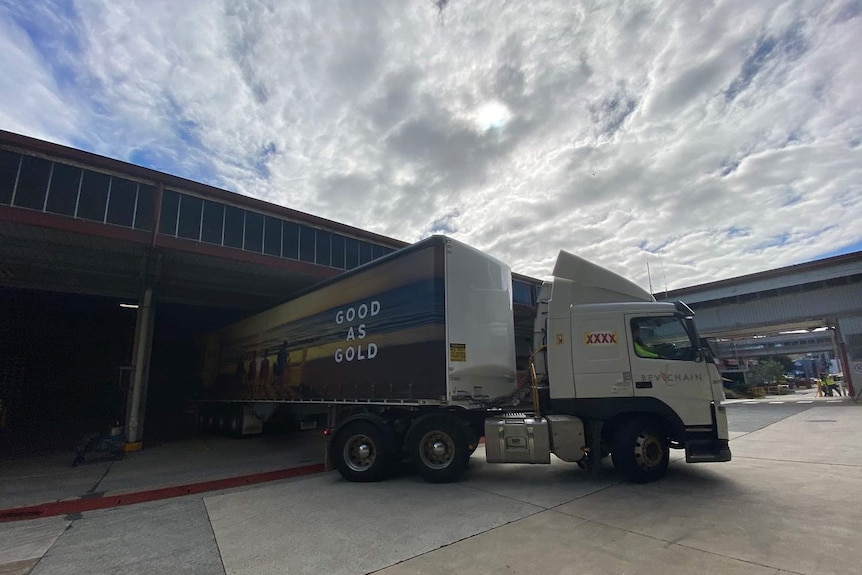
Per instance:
{"type": "Point", "coordinates": [439, 449]}
{"type": "Point", "coordinates": [641, 451]}
{"type": "Point", "coordinates": [359, 453]}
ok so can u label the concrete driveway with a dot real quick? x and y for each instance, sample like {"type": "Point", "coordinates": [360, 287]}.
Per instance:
{"type": "Point", "coordinates": [787, 503]}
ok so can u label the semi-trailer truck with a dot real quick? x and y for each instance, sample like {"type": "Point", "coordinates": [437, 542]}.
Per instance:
{"type": "Point", "coordinates": [412, 357]}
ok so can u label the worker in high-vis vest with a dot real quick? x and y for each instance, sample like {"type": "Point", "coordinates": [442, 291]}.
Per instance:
{"type": "Point", "coordinates": [640, 348]}
{"type": "Point", "coordinates": [830, 388]}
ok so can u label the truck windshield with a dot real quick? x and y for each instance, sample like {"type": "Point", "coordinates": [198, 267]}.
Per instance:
{"type": "Point", "coordinates": [665, 337]}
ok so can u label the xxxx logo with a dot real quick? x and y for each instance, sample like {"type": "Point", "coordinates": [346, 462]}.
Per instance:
{"type": "Point", "coordinates": [599, 338]}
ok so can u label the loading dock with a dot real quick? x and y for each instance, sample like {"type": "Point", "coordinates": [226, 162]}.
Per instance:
{"type": "Point", "coordinates": [109, 271]}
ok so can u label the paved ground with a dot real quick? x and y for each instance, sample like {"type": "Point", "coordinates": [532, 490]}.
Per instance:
{"type": "Point", "coordinates": [48, 478]}
{"type": "Point", "coordinates": [787, 503]}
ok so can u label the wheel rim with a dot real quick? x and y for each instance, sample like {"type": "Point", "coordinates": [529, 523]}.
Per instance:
{"type": "Point", "coordinates": [360, 453]}
{"type": "Point", "coordinates": [436, 450]}
{"type": "Point", "coordinates": [649, 451]}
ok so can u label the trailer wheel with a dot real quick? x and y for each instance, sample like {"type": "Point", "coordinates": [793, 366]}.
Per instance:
{"type": "Point", "coordinates": [359, 453]}
{"type": "Point", "coordinates": [439, 449]}
{"type": "Point", "coordinates": [236, 420]}
{"type": "Point", "coordinates": [641, 451]}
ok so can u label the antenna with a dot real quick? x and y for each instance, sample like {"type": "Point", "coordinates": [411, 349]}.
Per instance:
{"type": "Point", "coordinates": [649, 277]}
{"type": "Point", "coordinates": [661, 261]}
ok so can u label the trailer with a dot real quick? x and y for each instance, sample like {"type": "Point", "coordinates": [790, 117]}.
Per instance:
{"type": "Point", "coordinates": [412, 357]}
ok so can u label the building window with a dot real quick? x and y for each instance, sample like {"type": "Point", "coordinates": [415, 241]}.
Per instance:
{"type": "Point", "coordinates": [522, 293]}
{"type": "Point", "coordinates": [337, 251]}
{"type": "Point", "coordinates": [365, 253]}
{"type": "Point", "coordinates": [144, 209]}
{"type": "Point", "coordinates": [324, 246]}
{"type": "Point", "coordinates": [9, 163]}
{"type": "Point", "coordinates": [377, 251]}
{"type": "Point", "coordinates": [93, 199]}
{"type": "Point", "coordinates": [121, 204]}
{"type": "Point", "coordinates": [63, 195]}
{"type": "Point", "coordinates": [351, 253]}
{"type": "Point", "coordinates": [170, 211]}
{"type": "Point", "coordinates": [189, 225]}
{"type": "Point", "coordinates": [234, 226]}
{"type": "Point", "coordinates": [213, 219]}
{"type": "Point", "coordinates": [306, 244]}
{"type": "Point", "coordinates": [32, 183]}
{"type": "Point", "coordinates": [272, 236]}
{"type": "Point", "coordinates": [290, 240]}
{"type": "Point", "coordinates": [253, 232]}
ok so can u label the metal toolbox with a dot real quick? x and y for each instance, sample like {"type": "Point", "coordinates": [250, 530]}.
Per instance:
{"type": "Point", "coordinates": [517, 440]}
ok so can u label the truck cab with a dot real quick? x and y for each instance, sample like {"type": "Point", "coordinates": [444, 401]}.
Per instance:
{"type": "Point", "coordinates": [632, 366]}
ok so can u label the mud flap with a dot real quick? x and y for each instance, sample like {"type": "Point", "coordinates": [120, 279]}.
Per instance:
{"type": "Point", "coordinates": [707, 451]}
{"type": "Point", "coordinates": [327, 458]}
{"type": "Point", "coordinates": [594, 442]}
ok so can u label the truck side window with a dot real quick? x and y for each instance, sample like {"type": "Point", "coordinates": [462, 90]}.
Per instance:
{"type": "Point", "coordinates": [661, 338]}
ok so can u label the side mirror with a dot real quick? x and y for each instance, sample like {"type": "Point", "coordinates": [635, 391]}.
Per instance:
{"type": "Point", "coordinates": [699, 356]}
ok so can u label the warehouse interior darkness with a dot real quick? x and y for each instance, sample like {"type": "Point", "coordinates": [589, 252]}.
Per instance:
{"type": "Point", "coordinates": [81, 234]}
{"type": "Point", "coordinates": [65, 361]}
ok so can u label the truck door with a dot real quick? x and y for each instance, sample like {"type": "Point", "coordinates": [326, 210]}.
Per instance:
{"type": "Point", "coordinates": [599, 355]}
{"type": "Point", "coordinates": [666, 365]}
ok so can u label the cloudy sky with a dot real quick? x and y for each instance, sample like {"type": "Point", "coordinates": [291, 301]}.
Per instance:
{"type": "Point", "coordinates": [713, 138]}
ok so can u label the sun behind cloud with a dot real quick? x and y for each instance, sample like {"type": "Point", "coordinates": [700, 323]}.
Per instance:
{"type": "Point", "coordinates": [714, 138]}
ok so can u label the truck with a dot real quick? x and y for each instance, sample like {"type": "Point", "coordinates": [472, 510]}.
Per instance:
{"type": "Point", "coordinates": [412, 358]}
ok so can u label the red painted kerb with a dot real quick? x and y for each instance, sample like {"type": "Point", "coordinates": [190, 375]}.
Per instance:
{"type": "Point", "coordinates": [93, 503]}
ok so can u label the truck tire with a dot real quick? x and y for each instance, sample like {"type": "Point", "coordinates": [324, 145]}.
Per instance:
{"type": "Point", "coordinates": [641, 451]}
{"type": "Point", "coordinates": [359, 452]}
{"type": "Point", "coordinates": [439, 449]}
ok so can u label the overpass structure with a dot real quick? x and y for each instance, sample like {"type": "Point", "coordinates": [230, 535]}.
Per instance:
{"type": "Point", "coordinates": [784, 304]}
{"type": "Point", "coordinates": [820, 341]}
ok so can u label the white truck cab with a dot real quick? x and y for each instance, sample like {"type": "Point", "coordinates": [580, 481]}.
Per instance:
{"type": "Point", "coordinates": [631, 366]}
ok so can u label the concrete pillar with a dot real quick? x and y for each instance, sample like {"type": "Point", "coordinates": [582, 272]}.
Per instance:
{"type": "Point", "coordinates": [141, 359]}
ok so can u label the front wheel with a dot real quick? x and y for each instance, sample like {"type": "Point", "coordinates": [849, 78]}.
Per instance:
{"type": "Point", "coordinates": [439, 449]}
{"type": "Point", "coordinates": [359, 453]}
{"type": "Point", "coordinates": [641, 451]}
